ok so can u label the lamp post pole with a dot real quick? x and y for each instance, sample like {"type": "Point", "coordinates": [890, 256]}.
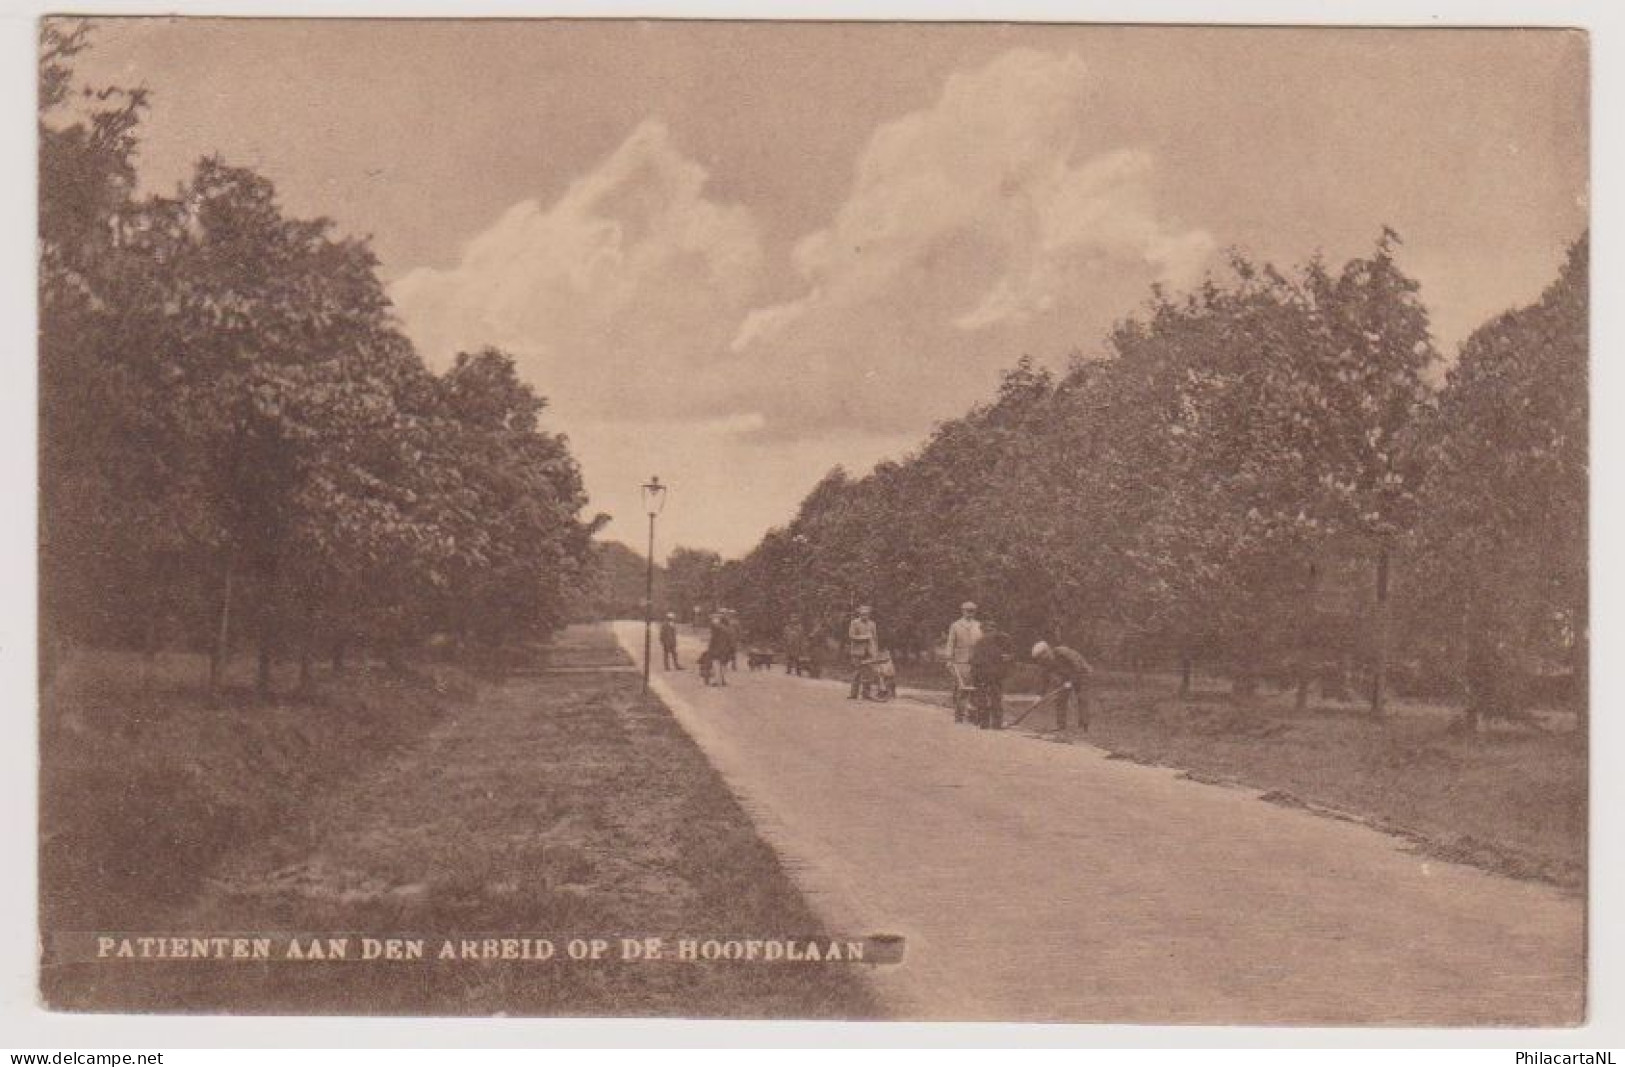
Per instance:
{"type": "Point", "coordinates": [648, 602]}
{"type": "Point", "coordinates": [654, 498]}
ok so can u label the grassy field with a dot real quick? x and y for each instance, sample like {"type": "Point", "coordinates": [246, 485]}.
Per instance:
{"type": "Point", "coordinates": [145, 783]}
{"type": "Point", "coordinates": [1512, 800]}
{"type": "Point", "coordinates": [548, 805]}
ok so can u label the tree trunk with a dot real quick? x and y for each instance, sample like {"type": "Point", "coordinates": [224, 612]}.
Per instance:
{"type": "Point", "coordinates": [157, 602]}
{"type": "Point", "coordinates": [265, 638]}
{"type": "Point", "coordinates": [1472, 661]}
{"type": "Point", "coordinates": [307, 652]}
{"type": "Point", "coordinates": [1306, 643]}
{"type": "Point", "coordinates": [222, 642]}
{"type": "Point", "coordinates": [1379, 670]}
{"type": "Point", "coordinates": [337, 651]}
{"type": "Point", "coordinates": [267, 623]}
{"type": "Point", "coordinates": [149, 647]}
{"type": "Point", "coordinates": [1335, 684]}
{"type": "Point", "coordinates": [1580, 664]}
{"type": "Point", "coordinates": [262, 672]}
{"type": "Point", "coordinates": [1187, 670]}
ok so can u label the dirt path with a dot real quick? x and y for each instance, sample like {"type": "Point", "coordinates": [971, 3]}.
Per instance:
{"type": "Point", "coordinates": [1035, 880]}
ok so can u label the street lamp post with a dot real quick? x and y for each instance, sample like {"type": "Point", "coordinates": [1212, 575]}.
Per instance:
{"type": "Point", "coordinates": [654, 498]}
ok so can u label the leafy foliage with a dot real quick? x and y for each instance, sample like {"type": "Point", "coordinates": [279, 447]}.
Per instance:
{"type": "Point", "coordinates": [1235, 481]}
{"type": "Point", "coordinates": [1501, 536]}
{"type": "Point", "coordinates": [692, 582]}
{"type": "Point", "coordinates": [233, 426]}
{"type": "Point", "coordinates": [616, 584]}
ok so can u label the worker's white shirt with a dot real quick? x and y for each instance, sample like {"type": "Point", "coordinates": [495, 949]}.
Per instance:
{"type": "Point", "coordinates": [962, 637]}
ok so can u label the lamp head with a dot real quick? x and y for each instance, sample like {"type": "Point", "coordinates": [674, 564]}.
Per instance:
{"type": "Point", "coordinates": [654, 496]}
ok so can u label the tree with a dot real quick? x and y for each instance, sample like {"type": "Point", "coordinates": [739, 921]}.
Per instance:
{"type": "Point", "coordinates": [1502, 539]}
{"type": "Point", "coordinates": [233, 426]}
{"type": "Point", "coordinates": [504, 498]}
{"type": "Point", "coordinates": [616, 588]}
{"type": "Point", "coordinates": [118, 510]}
{"type": "Point", "coordinates": [285, 370]}
{"type": "Point", "coordinates": [691, 581]}
{"type": "Point", "coordinates": [1366, 401]}
{"type": "Point", "coordinates": [1282, 407]}
{"type": "Point", "coordinates": [1191, 492]}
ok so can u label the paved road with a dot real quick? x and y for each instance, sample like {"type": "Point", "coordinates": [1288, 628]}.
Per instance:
{"type": "Point", "coordinates": [1041, 881]}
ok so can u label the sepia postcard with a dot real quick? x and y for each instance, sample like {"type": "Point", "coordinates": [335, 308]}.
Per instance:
{"type": "Point", "coordinates": [813, 520]}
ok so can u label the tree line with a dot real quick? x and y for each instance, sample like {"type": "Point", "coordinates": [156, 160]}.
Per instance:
{"type": "Point", "coordinates": [1267, 475]}
{"type": "Point", "coordinates": [618, 583]}
{"type": "Point", "coordinates": [238, 445]}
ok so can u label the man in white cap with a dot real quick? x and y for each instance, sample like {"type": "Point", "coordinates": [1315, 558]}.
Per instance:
{"type": "Point", "coordinates": [862, 643]}
{"type": "Point", "coordinates": [963, 635]}
{"type": "Point", "coordinates": [1067, 668]}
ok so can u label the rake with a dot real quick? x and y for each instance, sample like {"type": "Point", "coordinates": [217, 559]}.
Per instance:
{"type": "Point", "coordinates": [1040, 702]}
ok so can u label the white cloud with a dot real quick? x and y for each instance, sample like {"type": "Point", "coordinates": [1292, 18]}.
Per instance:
{"type": "Point", "coordinates": [616, 298]}
{"type": "Point", "coordinates": [976, 229]}
{"type": "Point", "coordinates": [982, 227]}
{"type": "Point", "coordinates": [1101, 210]}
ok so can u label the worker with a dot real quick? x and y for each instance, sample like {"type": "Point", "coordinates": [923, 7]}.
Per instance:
{"type": "Point", "coordinates": [862, 645]}
{"type": "Point", "coordinates": [1066, 668]}
{"type": "Point", "coordinates": [963, 635]}
{"type": "Point", "coordinates": [989, 665]}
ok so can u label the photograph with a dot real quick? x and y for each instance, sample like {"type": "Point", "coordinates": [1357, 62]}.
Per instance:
{"type": "Point", "coordinates": [896, 521]}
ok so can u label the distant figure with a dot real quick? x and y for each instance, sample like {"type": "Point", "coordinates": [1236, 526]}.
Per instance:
{"type": "Point", "coordinates": [862, 643]}
{"type": "Point", "coordinates": [1067, 668]}
{"type": "Point", "coordinates": [962, 638]}
{"type": "Point", "coordinates": [668, 643]}
{"type": "Point", "coordinates": [989, 664]}
{"type": "Point", "coordinates": [721, 649]}
{"type": "Point", "coordinates": [795, 647]}
{"type": "Point", "coordinates": [730, 619]}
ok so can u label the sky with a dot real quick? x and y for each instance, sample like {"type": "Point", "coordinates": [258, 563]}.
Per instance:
{"type": "Point", "coordinates": [738, 254]}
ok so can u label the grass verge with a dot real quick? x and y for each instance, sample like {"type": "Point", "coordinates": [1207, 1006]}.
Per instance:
{"type": "Point", "coordinates": [145, 783]}
{"type": "Point", "coordinates": [1512, 801]}
{"type": "Point", "coordinates": [548, 806]}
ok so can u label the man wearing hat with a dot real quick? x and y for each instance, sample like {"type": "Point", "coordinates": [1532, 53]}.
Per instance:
{"type": "Point", "coordinates": [795, 648]}
{"type": "Point", "coordinates": [1071, 671]}
{"type": "Point", "coordinates": [668, 642]}
{"type": "Point", "coordinates": [862, 643]}
{"type": "Point", "coordinates": [722, 649]}
{"type": "Point", "coordinates": [962, 638]}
